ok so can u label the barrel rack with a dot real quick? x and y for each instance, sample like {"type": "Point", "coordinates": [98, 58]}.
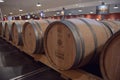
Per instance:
{"type": "Point", "coordinates": [76, 74]}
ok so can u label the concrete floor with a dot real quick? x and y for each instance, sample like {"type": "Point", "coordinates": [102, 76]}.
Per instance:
{"type": "Point", "coordinates": [14, 63]}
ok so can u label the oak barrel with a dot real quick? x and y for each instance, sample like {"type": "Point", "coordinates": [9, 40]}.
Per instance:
{"type": "Point", "coordinates": [32, 35]}
{"type": "Point", "coordinates": [1, 28]}
{"type": "Point", "coordinates": [2, 34]}
{"type": "Point", "coordinates": [74, 42]}
{"type": "Point", "coordinates": [8, 32]}
{"type": "Point", "coordinates": [110, 58]}
{"type": "Point", "coordinates": [113, 25]}
{"type": "Point", "coordinates": [17, 32]}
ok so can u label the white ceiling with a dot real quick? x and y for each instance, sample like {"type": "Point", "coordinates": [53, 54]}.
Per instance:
{"type": "Point", "coordinates": [30, 5]}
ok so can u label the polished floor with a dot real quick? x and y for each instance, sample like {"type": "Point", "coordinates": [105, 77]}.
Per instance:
{"type": "Point", "coordinates": [15, 65]}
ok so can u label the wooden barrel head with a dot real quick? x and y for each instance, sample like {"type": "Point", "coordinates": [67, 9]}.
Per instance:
{"type": "Point", "coordinates": [110, 58]}
{"type": "Point", "coordinates": [6, 31]}
{"type": "Point", "coordinates": [60, 45]}
{"type": "Point", "coordinates": [17, 32]}
{"type": "Point", "coordinates": [29, 37]}
{"type": "Point", "coordinates": [74, 42]}
{"type": "Point", "coordinates": [15, 35]}
{"type": "Point", "coordinates": [3, 29]}
{"type": "Point", "coordinates": [33, 32]}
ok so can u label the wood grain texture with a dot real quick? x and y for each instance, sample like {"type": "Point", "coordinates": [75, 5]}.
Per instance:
{"type": "Point", "coordinates": [113, 25]}
{"type": "Point", "coordinates": [17, 32]}
{"type": "Point", "coordinates": [2, 29]}
{"type": "Point", "coordinates": [76, 74]}
{"type": "Point", "coordinates": [74, 42]}
{"type": "Point", "coordinates": [33, 32]}
{"type": "Point", "coordinates": [110, 58]}
{"type": "Point", "coordinates": [8, 33]}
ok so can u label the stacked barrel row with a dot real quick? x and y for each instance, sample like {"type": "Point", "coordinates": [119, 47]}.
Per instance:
{"type": "Point", "coordinates": [76, 42]}
{"type": "Point", "coordinates": [68, 43]}
{"type": "Point", "coordinates": [28, 34]}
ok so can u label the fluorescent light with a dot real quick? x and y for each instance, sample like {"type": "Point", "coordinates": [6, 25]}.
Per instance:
{"type": "Point", "coordinates": [38, 5]}
{"type": "Point", "coordinates": [10, 13]}
{"type": "Point", "coordinates": [97, 19]}
{"type": "Point", "coordinates": [1, 0]}
{"type": "Point", "coordinates": [28, 16]}
{"type": "Point", "coordinates": [80, 10]}
{"type": "Point", "coordinates": [116, 7]}
{"type": "Point", "coordinates": [76, 5]}
{"type": "Point", "coordinates": [20, 10]}
{"type": "Point", "coordinates": [57, 12]}
{"type": "Point", "coordinates": [91, 12]}
{"type": "Point", "coordinates": [47, 10]}
{"type": "Point", "coordinates": [70, 14]}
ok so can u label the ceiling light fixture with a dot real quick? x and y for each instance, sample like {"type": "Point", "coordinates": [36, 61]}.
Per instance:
{"type": "Point", "coordinates": [20, 10]}
{"type": "Point", "coordinates": [10, 13]}
{"type": "Point", "coordinates": [91, 12]}
{"type": "Point", "coordinates": [47, 10]}
{"type": "Point", "coordinates": [33, 15]}
{"type": "Point", "coordinates": [1, 0]}
{"type": "Point", "coordinates": [116, 7]}
{"type": "Point", "coordinates": [76, 5]}
{"type": "Point", "coordinates": [80, 10]}
{"type": "Point", "coordinates": [70, 14]}
{"type": "Point", "coordinates": [57, 12]}
{"type": "Point", "coordinates": [38, 4]}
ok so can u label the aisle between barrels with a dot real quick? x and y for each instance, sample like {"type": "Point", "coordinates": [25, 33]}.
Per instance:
{"type": "Point", "coordinates": [15, 65]}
